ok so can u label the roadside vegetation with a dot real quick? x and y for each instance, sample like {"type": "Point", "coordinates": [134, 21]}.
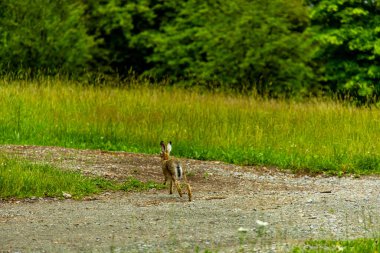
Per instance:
{"type": "Point", "coordinates": [349, 246]}
{"type": "Point", "coordinates": [317, 136]}
{"type": "Point", "coordinates": [22, 179]}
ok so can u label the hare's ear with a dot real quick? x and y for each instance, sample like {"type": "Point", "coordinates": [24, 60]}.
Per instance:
{"type": "Point", "coordinates": [162, 146]}
{"type": "Point", "coordinates": [169, 147]}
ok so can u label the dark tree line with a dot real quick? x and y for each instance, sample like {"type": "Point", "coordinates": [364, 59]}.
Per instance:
{"type": "Point", "coordinates": [279, 47]}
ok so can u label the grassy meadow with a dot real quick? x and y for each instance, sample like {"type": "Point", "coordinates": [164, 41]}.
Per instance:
{"type": "Point", "coordinates": [314, 136]}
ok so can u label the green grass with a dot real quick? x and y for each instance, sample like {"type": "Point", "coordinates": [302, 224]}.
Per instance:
{"type": "Point", "coordinates": [315, 136]}
{"type": "Point", "coordinates": [361, 245]}
{"type": "Point", "coordinates": [21, 179]}
{"type": "Point", "coordinates": [352, 246]}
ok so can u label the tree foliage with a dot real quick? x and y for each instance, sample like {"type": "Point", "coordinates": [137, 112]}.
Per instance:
{"type": "Point", "coordinates": [115, 23]}
{"type": "Point", "coordinates": [279, 47]}
{"type": "Point", "coordinates": [235, 43]}
{"type": "Point", "coordinates": [44, 35]}
{"type": "Point", "coordinates": [348, 33]}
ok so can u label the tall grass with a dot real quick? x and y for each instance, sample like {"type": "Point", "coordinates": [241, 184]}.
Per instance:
{"type": "Point", "coordinates": [313, 136]}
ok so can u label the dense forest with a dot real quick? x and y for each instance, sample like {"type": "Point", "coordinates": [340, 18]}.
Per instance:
{"type": "Point", "coordinates": [289, 48]}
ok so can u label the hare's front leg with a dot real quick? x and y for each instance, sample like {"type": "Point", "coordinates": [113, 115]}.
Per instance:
{"type": "Point", "coordinates": [190, 194]}
{"type": "Point", "coordinates": [165, 180]}
{"type": "Point", "coordinates": [189, 191]}
{"type": "Point", "coordinates": [171, 187]}
{"type": "Point", "coordinates": [177, 185]}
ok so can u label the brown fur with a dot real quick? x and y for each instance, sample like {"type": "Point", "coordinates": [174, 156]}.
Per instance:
{"type": "Point", "coordinates": [169, 166]}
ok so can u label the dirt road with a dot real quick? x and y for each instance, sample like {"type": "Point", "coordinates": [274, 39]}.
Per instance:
{"type": "Point", "coordinates": [234, 208]}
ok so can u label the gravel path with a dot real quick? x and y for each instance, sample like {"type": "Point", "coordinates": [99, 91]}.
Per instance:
{"type": "Point", "coordinates": [234, 208]}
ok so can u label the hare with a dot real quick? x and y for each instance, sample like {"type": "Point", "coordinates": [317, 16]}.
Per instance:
{"type": "Point", "coordinates": [173, 170]}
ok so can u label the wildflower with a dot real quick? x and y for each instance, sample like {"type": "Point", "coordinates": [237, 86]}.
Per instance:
{"type": "Point", "coordinates": [262, 223]}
